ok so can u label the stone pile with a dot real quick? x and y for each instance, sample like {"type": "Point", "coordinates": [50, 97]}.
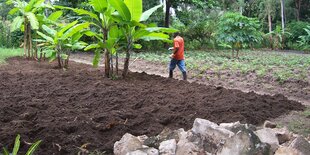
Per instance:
{"type": "Point", "coordinates": [208, 138]}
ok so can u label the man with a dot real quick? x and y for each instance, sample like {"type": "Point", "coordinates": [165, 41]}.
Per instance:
{"type": "Point", "coordinates": [177, 57]}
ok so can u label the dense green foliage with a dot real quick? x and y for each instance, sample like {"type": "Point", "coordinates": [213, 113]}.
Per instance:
{"type": "Point", "coordinates": [198, 20]}
{"type": "Point", "coordinates": [305, 39]}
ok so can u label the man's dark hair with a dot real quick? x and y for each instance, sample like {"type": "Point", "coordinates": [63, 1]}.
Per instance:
{"type": "Point", "coordinates": [176, 34]}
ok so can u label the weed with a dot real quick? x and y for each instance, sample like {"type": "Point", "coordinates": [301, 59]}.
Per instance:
{"type": "Point", "coordinates": [30, 151]}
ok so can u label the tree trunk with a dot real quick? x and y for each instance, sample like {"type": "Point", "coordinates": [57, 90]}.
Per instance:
{"type": "Point", "coordinates": [126, 64]}
{"type": "Point", "coordinates": [30, 42]}
{"type": "Point", "coordinates": [282, 15]}
{"type": "Point", "coordinates": [66, 66]}
{"type": "Point", "coordinates": [116, 63]}
{"type": "Point", "coordinates": [167, 13]}
{"type": "Point", "coordinates": [25, 36]}
{"type": "Point", "coordinates": [112, 65]}
{"type": "Point", "coordinates": [36, 48]}
{"type": "Point", "coordinates": [59, 60]}
{"type": "Point", "coordinates": [270, 29]}
{"type": "Point", "coordinates": [232, 52]}
{"type": "Point", "coordinates": [283, 23]}
{"type": "Point", "coordinates": [298, 6]}
{"type": "Point", "coordinates": [40, 59]}
{"type": "Point", "coordinates": [106, 56]}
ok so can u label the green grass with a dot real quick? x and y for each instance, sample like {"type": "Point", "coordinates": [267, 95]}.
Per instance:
{"type": "Point", "coordinates": [7, 53]}
{"type": "Point", "coordinates": [282, 66]}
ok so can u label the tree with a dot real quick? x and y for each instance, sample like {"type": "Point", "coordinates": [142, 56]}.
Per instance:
{"type": "Point", "coordinates": [267, 9]}
{"type": "Point", "coordinates": [26, 20]}
{"type": "Point", "coordinates": [237, 31]}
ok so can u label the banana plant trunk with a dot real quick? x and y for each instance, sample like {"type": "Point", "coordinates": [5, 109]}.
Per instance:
{"type": "Point", "coordinates": [25, 37]}
{"type": "Point", "coordinates": [31, 54]}
{"type": "Point", "coordinates": [126, 64]}
{"type": "Point", "coordinates": [116, 63]}
{"type": "Point", "coordinates": [106, 56]}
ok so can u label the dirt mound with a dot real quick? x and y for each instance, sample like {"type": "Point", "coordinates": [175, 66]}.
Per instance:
{"type": "Point", "coordinates": [67, 109]}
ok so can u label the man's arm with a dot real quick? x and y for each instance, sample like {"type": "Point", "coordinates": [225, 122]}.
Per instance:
{"type": "Point", "coordinates": [176, 50]}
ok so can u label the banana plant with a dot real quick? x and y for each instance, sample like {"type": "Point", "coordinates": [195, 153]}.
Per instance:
{"type": "Point", "coordinates": [100, 18]}
{"type": "Point", "coordinates": [59, 42]}
{"type": "Point", "coordinates": [130, 19]}
{"type": "Point", "coordinates": [26, 20]}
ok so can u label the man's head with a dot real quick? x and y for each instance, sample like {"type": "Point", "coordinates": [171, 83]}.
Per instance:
{"type": "Point", "coordinates": [176, 34]}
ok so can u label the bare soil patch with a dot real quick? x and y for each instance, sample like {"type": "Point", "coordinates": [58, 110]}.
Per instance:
{"type": "Point", "coordinates": [68, 109]}
{"type": "Point", "coordinates": [293, 89]}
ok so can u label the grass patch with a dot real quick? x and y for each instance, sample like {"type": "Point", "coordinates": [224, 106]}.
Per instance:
{"type": "Point", "coordinates": [7, 53]}
{"type": "Point", "coordinates": [281, 66]}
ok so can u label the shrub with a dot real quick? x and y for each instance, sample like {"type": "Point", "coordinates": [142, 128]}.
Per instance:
{"type": "Point", "coordinates": [304, 41]}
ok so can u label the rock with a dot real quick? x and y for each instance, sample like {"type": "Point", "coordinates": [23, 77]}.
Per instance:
{"type": "Point", "coordinates": [148, 151]}
{"type": "Point", "coordinates": [283, 135]}
{"type": "Point", "coordinates": [245, 142]}
{"type": "Point", "coordinates": [209, 129]}
{"type": "Point", "coordinates": [143, 138]}
{"type": "Point", "coordinates": [152, 151]}
{"type": "Point", "coordinates": [287, 151]}
{"type": "Point", "coordinates": [301, 144]}
{"type": "Point", "coordinates": [230, 126]}
{"type": "Point", "coordinates": [237, 126]}
{"type": "Point", "coordinates": [267, 135]}
{"type": "Point", "coordinates": [137, 152]}
{"type": "Point", "coordinates": [188, 144]}
{"type": "Point", "coordinates": [268, 124]}
{"type": "Point", "coordinates": [168, 147]}
{"type": "Point", "coordinates": [127, 144]}
{"type": "Point", "coordinates": [152, 142]}
{"type": "Point", "coordinates": [166, 134]}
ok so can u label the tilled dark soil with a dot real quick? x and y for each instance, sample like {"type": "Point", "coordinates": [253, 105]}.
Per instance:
{"type": "Point", "coordinates": [68, 109]}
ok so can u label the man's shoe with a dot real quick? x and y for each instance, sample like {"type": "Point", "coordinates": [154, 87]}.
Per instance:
{"type": "Point", "coordinates": [170, 74]}
{"type": "Point", "coordinates": [184, 76]}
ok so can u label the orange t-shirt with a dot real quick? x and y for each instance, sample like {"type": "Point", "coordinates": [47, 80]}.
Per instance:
{"type": "Point", "coordinates": [178, 42]}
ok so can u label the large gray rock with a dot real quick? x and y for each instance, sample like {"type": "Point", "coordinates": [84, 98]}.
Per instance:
{"type": "Point", "coordinates": [237, 126]}
{"type": "Point", "coordinates": [230, 126]}
{"type": "Point", "coordinates": [283, 135]}
{"type": "Point", "coordinates": [245, 142]}
{"type": "Point", "coordinates": [147, 151]}
{"type": "Point", "coordinates": [166, 134]}
{"type": "Point", "coordinates": [301, 144]}
{"type": "Point", "coordinates": [287, 151]}
{"type": "Point", "coordinates": [127, 144]}
{"type": "Point", "coordinates": [168, 147]}
{"type": "Point", "coordinates": [209, 129]}
{"type": "Point", "coordinates": [188, 144]}
{"type": "Point", "coordinates": [137, 152]}
{"type": "Point", "coordinates": [267, 135]}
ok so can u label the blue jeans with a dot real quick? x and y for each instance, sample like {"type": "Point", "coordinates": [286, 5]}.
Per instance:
{"type": "Point", "coordinates": [180, 63]}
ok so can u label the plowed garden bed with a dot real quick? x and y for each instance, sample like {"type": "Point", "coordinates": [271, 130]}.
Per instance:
{"type": "Point", "coordinates": [67, 109]}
